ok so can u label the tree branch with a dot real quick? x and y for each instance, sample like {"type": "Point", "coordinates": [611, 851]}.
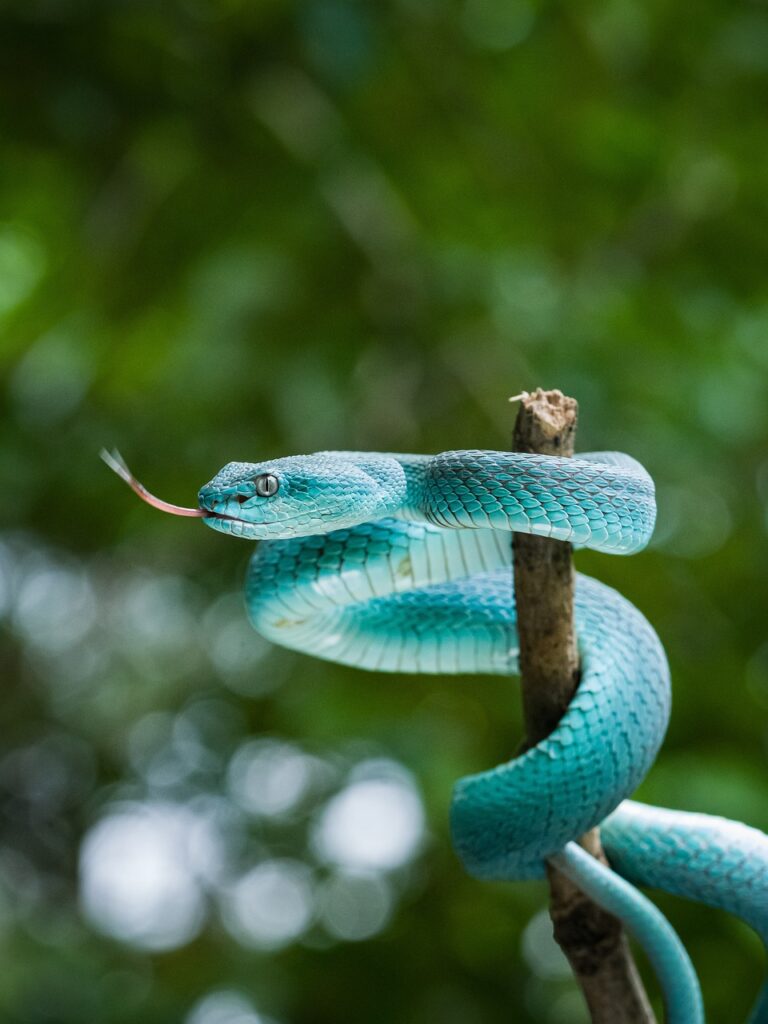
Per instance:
{"type": "Point", "coordinates": [592, 939]}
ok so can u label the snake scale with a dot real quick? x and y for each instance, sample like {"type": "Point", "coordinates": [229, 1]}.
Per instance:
{"type": "Point", "coordinates": [402, 563]}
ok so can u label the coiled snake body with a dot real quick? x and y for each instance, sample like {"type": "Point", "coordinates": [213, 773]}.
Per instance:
{"type": "Point", "coordinates": [402, 563]}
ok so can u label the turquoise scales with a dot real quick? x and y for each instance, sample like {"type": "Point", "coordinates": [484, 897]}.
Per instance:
{"type": "Point", "coordinates": [402, 563]}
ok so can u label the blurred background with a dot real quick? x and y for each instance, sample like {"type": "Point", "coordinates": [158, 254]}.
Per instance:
{"type": "Point", "coordinates": [232, 231]}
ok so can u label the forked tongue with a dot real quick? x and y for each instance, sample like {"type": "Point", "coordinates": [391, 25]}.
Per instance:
{"type": "Point", "coordinates": [116, 462]}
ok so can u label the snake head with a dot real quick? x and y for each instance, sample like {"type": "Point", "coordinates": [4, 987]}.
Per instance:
{"type": "Point", "coordinates": [301, 495]}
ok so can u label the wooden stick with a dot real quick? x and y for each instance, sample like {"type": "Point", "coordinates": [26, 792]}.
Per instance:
{"type": "Point", "coordinates": [592, 939]}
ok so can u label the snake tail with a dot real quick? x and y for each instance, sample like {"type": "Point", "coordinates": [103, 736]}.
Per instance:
{"type": "Point", "coordinates": [647, 925]}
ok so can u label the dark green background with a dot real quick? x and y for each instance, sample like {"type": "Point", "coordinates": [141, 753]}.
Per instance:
{"type": "Point", "coordinates": [234, 230]}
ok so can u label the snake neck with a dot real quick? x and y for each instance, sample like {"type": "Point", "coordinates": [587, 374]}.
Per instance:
{"type": "Point", "coordinates": [400, 481]}
{"type": "Point", "coordinates": [397, 483]}
{"type": "Point", "coordinates": [414, 468]}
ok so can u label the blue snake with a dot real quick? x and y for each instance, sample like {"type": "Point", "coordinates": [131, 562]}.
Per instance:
{"type": "Point", "coordinates": [402, 563]}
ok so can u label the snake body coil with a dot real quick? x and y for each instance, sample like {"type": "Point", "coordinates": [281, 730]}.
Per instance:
{"type": "Point", "coordinates": [402, 563]}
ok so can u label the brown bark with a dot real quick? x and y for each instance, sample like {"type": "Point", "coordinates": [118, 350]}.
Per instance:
{"type": "Point", "coordinates": [592, 939]}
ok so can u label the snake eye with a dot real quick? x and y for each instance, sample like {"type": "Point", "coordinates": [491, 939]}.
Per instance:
{"type": "Point", "coordinates": [266, 485]}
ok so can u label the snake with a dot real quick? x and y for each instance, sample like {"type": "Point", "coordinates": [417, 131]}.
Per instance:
{"type": "Point", "coordinates": [402, 563]}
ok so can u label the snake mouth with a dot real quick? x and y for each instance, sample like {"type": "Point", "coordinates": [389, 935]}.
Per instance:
{"type": "Point", "coordinates": [206, 513]}
{"type": "Point", "coordinates": [207, 516]}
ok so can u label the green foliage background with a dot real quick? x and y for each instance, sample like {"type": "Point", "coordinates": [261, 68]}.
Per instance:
{"type": "Point", "coordinates": [235, 230]}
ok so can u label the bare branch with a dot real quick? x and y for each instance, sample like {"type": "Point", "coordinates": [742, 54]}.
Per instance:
{"type": "Point", "coordinates": [593, 940]}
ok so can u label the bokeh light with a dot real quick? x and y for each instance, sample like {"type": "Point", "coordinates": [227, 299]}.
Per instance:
{"type": "Point", "coordinates": [270, 906]}
{"type": "Point", "coordinates": [269, 778]}
{"type": "Point", "coordinates": [373, 823]}
{"type": "Point", "coordinates": [225, 1007]}
{"type": "Point", "coordinates": [355, 906]}
{"type": "Point", "coordinates": [542, 953]}
{"type": "Point", "coordinates": [140, 871]}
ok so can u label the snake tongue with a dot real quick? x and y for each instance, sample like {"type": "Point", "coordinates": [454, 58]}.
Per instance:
{"type": "Point", "coordinates": [116, 463]}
